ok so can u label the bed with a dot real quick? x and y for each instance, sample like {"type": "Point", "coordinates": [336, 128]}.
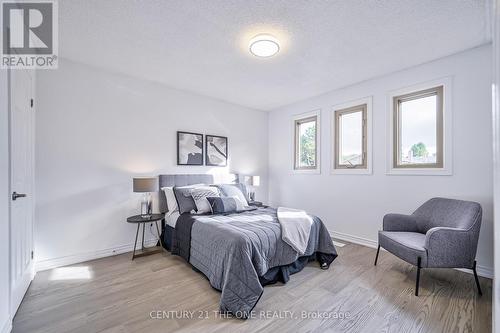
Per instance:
{"type": "Point", "coordinates": [239, 253]}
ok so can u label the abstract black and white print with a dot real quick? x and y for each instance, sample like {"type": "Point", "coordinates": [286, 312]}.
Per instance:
{"type": "Point", "coordinates": [216, 150]}
{"type": "Point", "coordinates": [189, 148]}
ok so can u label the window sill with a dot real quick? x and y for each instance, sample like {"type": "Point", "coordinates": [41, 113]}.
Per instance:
{"type": "Point", "coordinates": [351, 171]}
{"type": "Point", "coordinates": [419, 172]}
{"type": "Point", "coordinates": [306, 171]}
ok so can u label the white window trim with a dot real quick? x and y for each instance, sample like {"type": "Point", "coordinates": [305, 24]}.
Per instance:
{"type": "Point", "coordinates": [446, 170]}
{"type": "Point", "coordinates": [316, 170]}
{"type": "Point", "coordinates": [369, 106]}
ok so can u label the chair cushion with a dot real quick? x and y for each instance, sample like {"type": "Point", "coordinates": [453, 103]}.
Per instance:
{"type": "Point", "coordinates": [406, 245]}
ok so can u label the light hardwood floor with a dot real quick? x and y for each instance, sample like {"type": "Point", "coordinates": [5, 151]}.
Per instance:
{"type": "Point", "coordinates": [115, 294]}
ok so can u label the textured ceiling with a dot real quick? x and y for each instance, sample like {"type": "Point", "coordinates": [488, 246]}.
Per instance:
{"type": "Point", "coordinates": [202, 46]}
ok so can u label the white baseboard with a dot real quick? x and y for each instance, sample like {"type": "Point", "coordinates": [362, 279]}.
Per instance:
{"type": "Point", "coordinates": [82, 257]}
{"type": "Point", "coordinates": [42, 265]}
{"type": "Point", "coordinates": [483, 271]}
{"type": "Point", "coordinates": [7, 326]}
{"type": "Point", "coordinates": [354, 239]}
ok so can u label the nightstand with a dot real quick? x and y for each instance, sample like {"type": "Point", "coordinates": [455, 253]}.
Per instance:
{"type": "Point", "coordinates": [257, 204]}
{"type": "Point", "coordinates": [138, 219]}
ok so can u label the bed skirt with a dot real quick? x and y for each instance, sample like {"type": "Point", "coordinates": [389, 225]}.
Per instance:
{"type": "Point", "coordinates": [167, 237]}
{"type": "Point", "coordinates": [275, 274]}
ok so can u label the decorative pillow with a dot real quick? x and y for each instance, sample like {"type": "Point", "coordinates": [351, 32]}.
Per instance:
{"type": "Point", "coordinates": [185, 202]}
{"type": "Point", "coordinates": [200, 195]}
{"type": "Point", "coordinates": [234, 190]}
{"type": "Point", "coordinates": [171, 201]}
{"type": "Point", "coordinates": [221, 205]}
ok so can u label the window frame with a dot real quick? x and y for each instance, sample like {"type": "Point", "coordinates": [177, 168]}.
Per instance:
{"type": "Point", "coordinates": [359, 170]}
{"type": "Point", "coordinates": [297, 120]}
{"type": "Point", "coordinates": [338, 114]}
{"type": "Point", "coordinates": [443, 166]}
{"type": "Point", "coordinates": [396, 136]}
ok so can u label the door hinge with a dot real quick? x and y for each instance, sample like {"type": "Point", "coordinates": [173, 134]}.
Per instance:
{"type": "Point", "coordinates": [32, 255]}
{"type": "Point", "coordinates": [31, 102]}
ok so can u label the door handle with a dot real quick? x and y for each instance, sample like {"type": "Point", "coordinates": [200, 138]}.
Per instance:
{"type": "Point", "coordinates": [16, 195]}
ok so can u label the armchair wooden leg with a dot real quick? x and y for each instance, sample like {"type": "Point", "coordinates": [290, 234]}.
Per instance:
{"type": "Point", "coordinates": [418, 276]}
{"type": "Point", "coordinates": [477, 280]}
{"type": "Point", "coordinates": [376, 256]}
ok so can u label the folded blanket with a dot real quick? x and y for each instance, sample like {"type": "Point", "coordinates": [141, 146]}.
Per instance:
{"type": "Point", "coordinates": [295, 228]}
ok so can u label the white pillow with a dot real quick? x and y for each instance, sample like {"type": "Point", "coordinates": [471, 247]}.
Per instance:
{"type": "Point", "coordinates": [171, 201]}
{"type": "Point", "coordinates": [231, 190]}
{"type": "Point", "coordinates": [200, 195]}
{"type": "Point", "coordinates": [240, 205]}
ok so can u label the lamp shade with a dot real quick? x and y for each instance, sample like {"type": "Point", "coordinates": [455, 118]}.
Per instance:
{"type": "Point", "coordinates": [251, 180]}
{"type": "Point", "coordinates": [145, 184]}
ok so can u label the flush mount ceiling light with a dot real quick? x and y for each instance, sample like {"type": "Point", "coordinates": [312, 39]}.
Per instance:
{"type": "Point", "coordinates": [264, 46]}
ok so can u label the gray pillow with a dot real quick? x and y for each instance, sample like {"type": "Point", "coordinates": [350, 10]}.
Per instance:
{"type": "Point", "coordinates": [223, 205]}
{"type": "Point", "coordinates": [200, 194]}
{"type": "Point", "coordinates": [184, 199]}
{"type": "Point", "coordinates": [234, 190]}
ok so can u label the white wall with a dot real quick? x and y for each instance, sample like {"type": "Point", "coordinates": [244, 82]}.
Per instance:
{"type": "Point", "coordinates": [355, 204]}
{"type": "Point", "coordinates": [5, 320]}
{"type": "Point", "coordinates": [96, 130]}
{"type": "Point", "coordinates": [496, 156]}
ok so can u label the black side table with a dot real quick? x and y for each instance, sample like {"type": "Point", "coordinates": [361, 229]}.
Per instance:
{"type": "Point", "coordinates": [138, 219]}
{"type": "Point", "coordinates": [257, 204]}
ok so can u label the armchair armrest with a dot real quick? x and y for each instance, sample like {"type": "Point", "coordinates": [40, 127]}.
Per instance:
{"type": "Point", "coordinates": [450, 247]}
{"type": "Point", "coordinates": [400, 222]}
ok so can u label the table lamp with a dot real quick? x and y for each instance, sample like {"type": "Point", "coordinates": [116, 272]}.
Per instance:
{"type": "Point", "coordinates": [255, 183]}
{"type": "Point", "coordinates": [252, 182]}
{"type": "Point", "coordinates": [146, 185]}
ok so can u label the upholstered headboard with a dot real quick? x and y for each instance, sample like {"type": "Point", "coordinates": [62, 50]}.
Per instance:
{"type": "Point", "coordinates": [179, 180]}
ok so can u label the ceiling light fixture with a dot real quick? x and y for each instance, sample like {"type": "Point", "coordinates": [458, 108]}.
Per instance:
{"type": "Point", "coordinates": [264, 46]}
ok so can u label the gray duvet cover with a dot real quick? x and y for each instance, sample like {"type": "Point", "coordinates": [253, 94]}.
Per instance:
{"type": "Point", "coordinates": [234, 250]}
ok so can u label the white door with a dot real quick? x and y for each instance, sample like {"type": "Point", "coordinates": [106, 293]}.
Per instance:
{"type": "Point", "coordinates": [22, 121]}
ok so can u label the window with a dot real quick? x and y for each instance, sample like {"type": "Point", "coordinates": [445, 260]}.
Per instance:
{"type": "Point", "coordinates": [351, 128]}
{"type": "Point", "coordinates": [418, 129]}
{"type": "Point", "coordinates": [306, 142]}
{"type": "Point", "coordinates": [351, 137]}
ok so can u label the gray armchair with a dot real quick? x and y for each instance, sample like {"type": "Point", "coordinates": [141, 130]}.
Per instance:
{"type": "Point", "coordinates": [442, 233]}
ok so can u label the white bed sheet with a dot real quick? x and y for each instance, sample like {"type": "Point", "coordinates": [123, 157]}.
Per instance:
{"type": "Point", "coordinates": [171, 219]}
